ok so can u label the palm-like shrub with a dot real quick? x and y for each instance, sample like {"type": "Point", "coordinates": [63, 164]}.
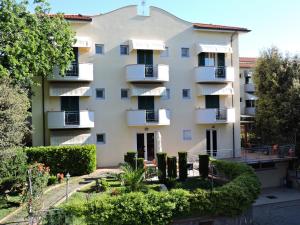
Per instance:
{"type": "Point", "coordinates": [132, 179]}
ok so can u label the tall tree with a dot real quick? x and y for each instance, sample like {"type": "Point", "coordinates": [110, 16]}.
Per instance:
{"type": "Point", "coordinates": [32, 44]}
{"type": "Point", "coordinates": [14, 106]}
{"type": "Point", "coordinates": [277, 80]}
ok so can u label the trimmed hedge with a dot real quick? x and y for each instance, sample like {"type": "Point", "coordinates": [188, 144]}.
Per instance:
{"type": "Point", "coordinates": [76, 160]}
{"type": "Point", "coordinates": [130, 158]}
{"type": "Point", "coordinates": [172, 167]}
{"type": "Point", "coordinates": [162, 166]}
{"type": "Point", "coordinates": [182, 162]}
{"type": "Point", "coordinates": [153, 207]}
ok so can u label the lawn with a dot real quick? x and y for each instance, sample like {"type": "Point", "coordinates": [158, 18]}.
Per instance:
{"type": "Point", "coordinates": [9, 205]}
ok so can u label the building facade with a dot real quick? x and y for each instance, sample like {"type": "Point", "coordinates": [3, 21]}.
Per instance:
{"type": "Point", "coordinates": [147, 84]}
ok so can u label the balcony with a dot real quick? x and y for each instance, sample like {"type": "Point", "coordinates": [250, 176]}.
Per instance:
{"type": "Point", "coordinates": [70, 120]}
{"type": "Point", "coordinates": [76, 72]}
{"type": "Point", "coordinates": [215, 116]}
{"type": "Point", "coordinates": [249, 88]}
{"type": "Point", "coordinates": [250, 111]}
{"type": "Point", "coordinates": [148, 117]}
{"type": "Point", "coordinates": [210, 74]}
{"type": "Point", "coordinates": [147, 73]}
{"type": "Point", "coordinates": [69, 89]}
{"type": "Point", "coordinates": [82, 42]}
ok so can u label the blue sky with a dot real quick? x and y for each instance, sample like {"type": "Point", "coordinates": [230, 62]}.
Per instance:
{"type": "Point", "coordinates": [273, 22]}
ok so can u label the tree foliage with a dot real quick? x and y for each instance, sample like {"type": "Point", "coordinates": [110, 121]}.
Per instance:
{"type": "Point", "coordinates": [32, 44]}
{"type": "Point", "coordinates": [277, 81]}
{"type": "Point", "coordinates": [14, 106]}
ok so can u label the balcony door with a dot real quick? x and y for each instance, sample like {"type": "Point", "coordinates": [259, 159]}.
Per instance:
{"type": "Point", "coordinates": [212, 101]}
{"type": "Point", "coordinates": [145, 146]}
{"type": "Point", "coordinates": [146, 57]}
{"type": "Point", "coordinates": [70, 105]}
{"type": "Point", "coordinates": [74, 67]}
{"type": "Point", "coordinates": [147, 103]}
{"type": "Point", "coordinates": [211, 142]}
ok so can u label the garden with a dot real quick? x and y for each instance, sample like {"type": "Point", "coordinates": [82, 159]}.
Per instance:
{"type": "Point", "coordinates": [139, 195]}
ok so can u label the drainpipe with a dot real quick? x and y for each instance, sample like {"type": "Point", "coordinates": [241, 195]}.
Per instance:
{"type": "Point", "coordinates": [43, 112]}
{"type": "Point", "coordinates": [232, 100]}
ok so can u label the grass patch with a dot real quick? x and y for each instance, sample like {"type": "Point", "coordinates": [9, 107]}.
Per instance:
{"type": "Point", "coordinates": [9, 205]}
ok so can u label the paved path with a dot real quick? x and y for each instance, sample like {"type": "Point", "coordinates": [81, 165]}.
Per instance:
{"type": "Point", "coordinates": [57, 194]}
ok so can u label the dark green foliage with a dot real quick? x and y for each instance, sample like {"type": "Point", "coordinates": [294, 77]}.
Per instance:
{"type": "Point", "coordinates": [76, 160]}
{"type": "Point", "coordinates": [130, 158]}
{"type": "Point", "coordinates": [162, 166]}
{"type": "Point", "coordinates": [182, 163]}
{"type": "Point", "coordinates": [13, 169]}
{"type": "Point", "coordinates": [203, 165]}
{"type": "Point", "coordinates": [52, 180]}
{"type": "Point", "coordinates": [277, 79]}
{"type": "Point", "coordinates": [140, 163]}
{"type": "Point", "coordinates": [172, 167]}
{"type": "Point", "coordinates": [162, 207]}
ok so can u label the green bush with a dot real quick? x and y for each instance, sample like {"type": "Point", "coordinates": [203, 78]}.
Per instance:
{"type": "Point", "coordinates": [182, 162]}
{"type": "Point", "coordinates": [172, 167]}
{"type": "Point", "coordinates": [203, 165]}
{"type": "Point", "coordinates": [76, 160]}
{"type": "Point", "coordinates": [52, 180]}
{"type": "Point", "coordinates": [140, 163]}
{"type": "Point", "coordinates": [130, 158]}
{"type": "Point", "coordinates": [13, 170]}
{"type": "Point", "coordinates": [153, 207]}
{"type": "Point", "coordinates": [162, 166]}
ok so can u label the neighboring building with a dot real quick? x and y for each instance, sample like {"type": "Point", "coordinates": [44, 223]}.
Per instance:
{"type": "Point", "coordinates": [144, 83]}
{"type": "Point", "coordinates": [247, 96]}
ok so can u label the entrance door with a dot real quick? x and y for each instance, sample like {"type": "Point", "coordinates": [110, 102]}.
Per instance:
{"type": "Point", "coordinates": [147, 103]}
{"type": "Point", "coordinates": [146, 57]}
{"type": "Point", "coordinates": [145, 146]}
{"type": "Point", "coordinates": [212, 101]}
{"type": "Point", "coordinates": [211, 142]}
{"type": "Point", "coordinates": [71, 107]}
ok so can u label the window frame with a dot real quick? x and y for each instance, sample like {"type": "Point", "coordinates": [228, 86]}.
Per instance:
{"type": "Point", "coordinates": [188, 52]}
{"type": "Point", "coordinates": [188, 92]}
{"type": "Point", "coordinates": [102, 49]}
{"type": "Point", "coordinates": [127, 90]}
{"type": "Point", "coordinates": [124, 46]}
{"type": "Point", "coordinates": [167, 95]}
{"type": "Point", "coordinates": [103, 137]}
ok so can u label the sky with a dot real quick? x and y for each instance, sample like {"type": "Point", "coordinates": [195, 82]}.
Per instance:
{"type": "Point", "coordinates": [273, 22]}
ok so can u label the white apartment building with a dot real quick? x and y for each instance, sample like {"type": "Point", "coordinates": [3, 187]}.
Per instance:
{"type": "Point", "coordinates": [147, 84]}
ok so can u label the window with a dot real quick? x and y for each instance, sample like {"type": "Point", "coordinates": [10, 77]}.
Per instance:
{"type": "Point", "coordinates": [186, 93]}
{"type": "Point", "coordinates": [124, 93]}
{"type": "Point", "coordinates": [185, 52]}
{"type": "Point", "coordinates": [124, 49]}
{"type": "Point", "coordinates": [99, 49]}
{"type": "Point", "coordinates": [166, 95]}
{"type": "Point", "coordinates": [101, 138]}
{"type": "Point", "coordinates": [211, 59]}
{"type": "Point", "coordinates": [250, 103]}
{"type": "Point", "coordinates": [100, 93]}
{"type": "Point", "coordinates": [165, 53]}
{"type": "Point", "coordinates": [241, 100]}
{"type": "Point", "coordinates": [187, 135]}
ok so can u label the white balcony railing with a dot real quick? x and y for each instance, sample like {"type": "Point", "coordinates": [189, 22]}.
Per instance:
{"type": "Point", "coordinates": [66, 120]}
{"type": "Point", "coordinates": [210, 74]}
{"type": "Point", "coordinates": [147, 73]}
{"type": "Point", "coordinates": [76, 72]}
{"type": "Point", "coordinates": [249, 88]}
{"type": "Point", "coordinates": [250, 111]}
{"type": "Point", "coordinates": [160, 117]}
{"type": "Point", "coordinates": [215, 116]}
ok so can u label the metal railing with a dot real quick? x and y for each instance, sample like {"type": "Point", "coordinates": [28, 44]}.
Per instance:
{"type": "Point", "coordinates": [72, 70]}
{"type": "Point", "coordinates": [151, 116]}
{"type": "Point", "coordinates": [221, 114]}
{"type": "Point", "coordinates": [220, 72]}
{"type": "Point", "coordinates": [72, 117]}
{"type": "Point", "coordinates": [149, 70]}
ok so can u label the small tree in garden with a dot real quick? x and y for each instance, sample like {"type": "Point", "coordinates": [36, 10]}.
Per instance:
{"type": "Point", "coordinates": [203, 165]}
{"type": "Point", "coordinates": [162, 166]}
{"type": "Point", "coordinates": [172, 167]}
{"type": "Point", "coordinates": [182, 161]}
{"type": "Point", "coordinates": [131, 178]}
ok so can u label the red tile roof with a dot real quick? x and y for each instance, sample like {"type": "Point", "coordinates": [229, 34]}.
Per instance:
{"type": "Point", "coordinates": [78, 17]}
{"type": "Point", "coordinates": [219, 27]}
{"type": "Point", "coordinates": [247, 62]}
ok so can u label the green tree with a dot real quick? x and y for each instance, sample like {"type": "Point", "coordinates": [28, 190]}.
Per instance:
{"type": "Point", "coordinates": [277, 80]}
{"type": "Point", "coordinates": [14, 106]}
{"type": "Point", "coordinates": [32, 44]}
